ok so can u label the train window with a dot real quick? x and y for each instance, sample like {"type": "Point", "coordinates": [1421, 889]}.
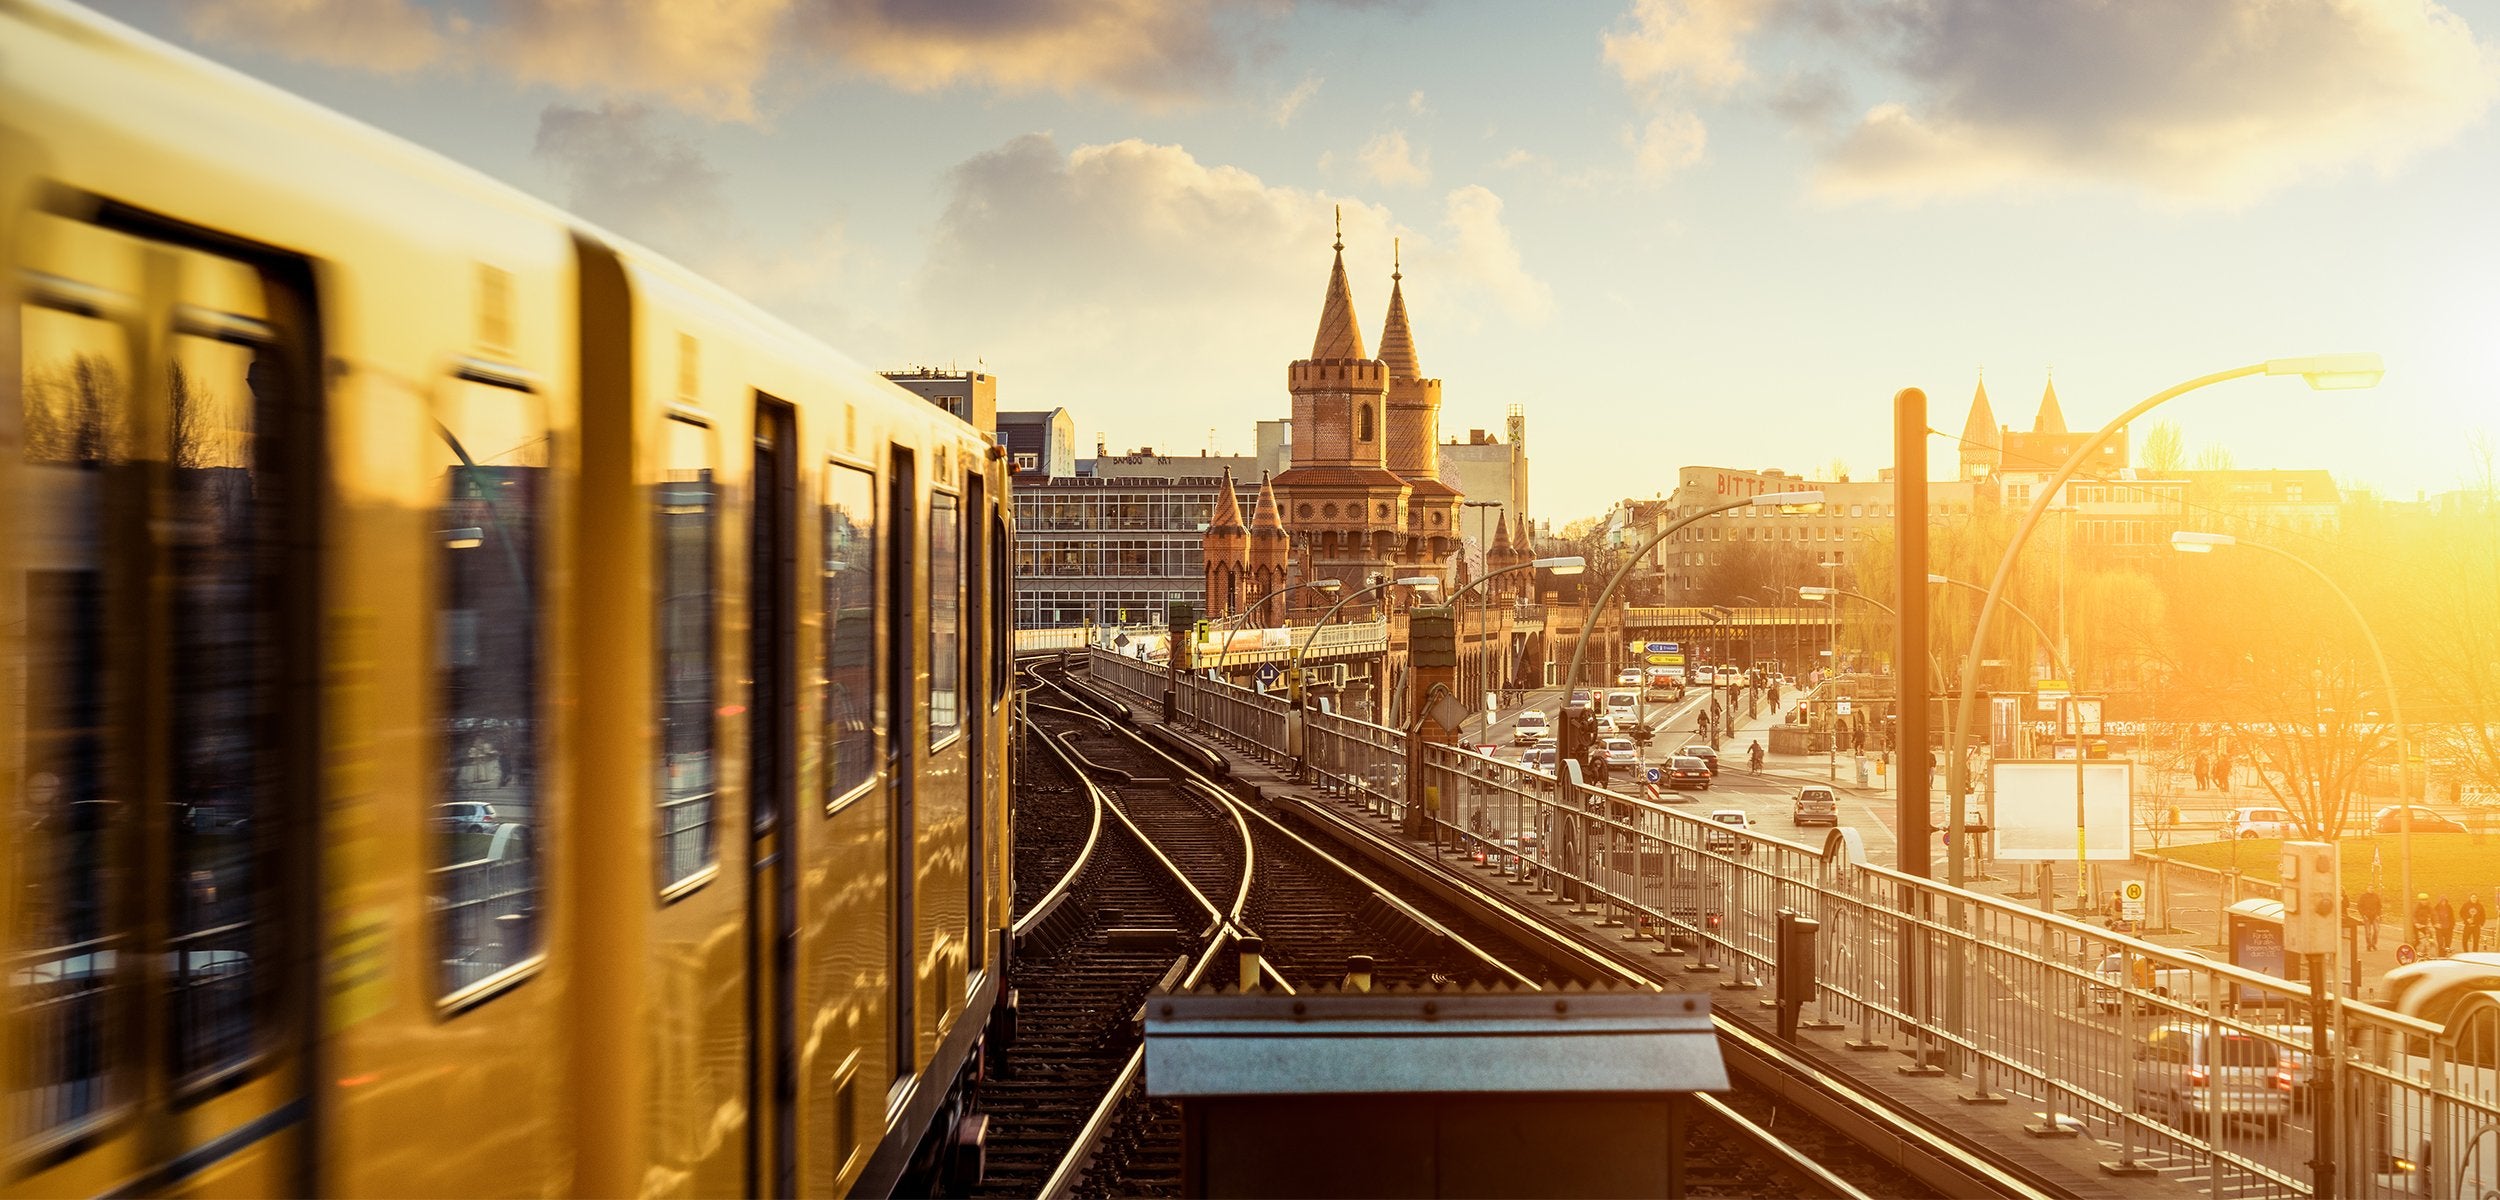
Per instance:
{"type": "Point", "coordinates": [222, 703]}
{"type": "Point", "coordinates": [486, 825]}
{"type": "Point", "coordinates": [1002, 636]}
{"type": "Point", "coordinates": [688, 517]}
{"type": "Point", "coordinates": [850, 583]}
{"type": "Point", "coordinates": [946, 586]}
{"type": "Point", "coordinates": [62, 995]}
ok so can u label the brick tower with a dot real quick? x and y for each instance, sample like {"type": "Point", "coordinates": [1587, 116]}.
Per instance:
{"type": "Point", "coordinates": [1432, 507]}
{"type": "Point", "coordinates": [1339, 495]}
{"type": "Point", "coordinates": [1271, 555]}
{"type": "Point", "coordinates": [1226, 545]}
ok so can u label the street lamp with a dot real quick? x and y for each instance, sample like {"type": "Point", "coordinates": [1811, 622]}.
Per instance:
{"type": "Point", "coordinates": [1320, 585]}
{"type": "Point", "coordinates": [1831, 745]}
{"type": "Point", "coordinates": [1804, 501]}
{"type": "Point", "coordinates": [2326, 372]}
{"type": "Point", "coordinates": [2206, 543]}
{"type": "Point", "coordinates": [1567, 564]}
{"type": "Point", "coordinates": [1295, 663]}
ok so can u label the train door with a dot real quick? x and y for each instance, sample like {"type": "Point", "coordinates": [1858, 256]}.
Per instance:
{"type": "Point", "coordinates": [158, 571]}
{"type": "Point", "coordinates": [772, 783]}
{"type": "Point", "coordinates": [976, 714]}
{"type": "Point", "coordinates": [902, 743]}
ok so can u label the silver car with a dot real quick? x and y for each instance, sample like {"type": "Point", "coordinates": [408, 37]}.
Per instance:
{"type": "Point", "coordinates": [2191, 1073]}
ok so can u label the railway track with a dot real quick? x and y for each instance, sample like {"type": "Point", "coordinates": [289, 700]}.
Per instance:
{"type": "Point", "coordinates": [1785, 1127]}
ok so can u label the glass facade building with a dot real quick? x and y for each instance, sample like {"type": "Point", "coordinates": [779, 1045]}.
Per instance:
{"type": "Point", "coordinates": [1114, 551]}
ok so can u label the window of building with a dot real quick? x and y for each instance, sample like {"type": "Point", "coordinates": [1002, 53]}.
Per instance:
{"type": "Point", "coordinates": [1366, 421]}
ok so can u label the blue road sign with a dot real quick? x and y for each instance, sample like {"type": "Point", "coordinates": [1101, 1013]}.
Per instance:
{"type": "Point", "coordinates": [1662, 648]}
{"type": "Point", "coordinates": [1654, 774]}
{"type": "Point", "coordinates": [1267, 673]}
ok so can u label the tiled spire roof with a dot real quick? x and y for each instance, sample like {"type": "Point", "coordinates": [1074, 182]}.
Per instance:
{"type": "Point", "coordinates": [1339, 336]}
{"type": "Point", "coordinates": [1397, 342]}
{"type": "Point", "coordinates": [1981, 429]}
{"type": "Point", "coordinates": [2052, 419]}
{"type": "Point", "coordinates": [1227, 505]}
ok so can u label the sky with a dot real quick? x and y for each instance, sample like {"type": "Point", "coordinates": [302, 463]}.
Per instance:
{"type": "Point", "coordinates": [1675, 231]}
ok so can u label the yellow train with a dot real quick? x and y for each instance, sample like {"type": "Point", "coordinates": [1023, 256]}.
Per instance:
{"type": "Point", "coordinates": [482, 710]}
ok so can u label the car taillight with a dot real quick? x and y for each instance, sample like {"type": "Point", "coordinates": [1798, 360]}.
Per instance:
{"type": "Point", "coordinates": [2197, 1077]}
{"type": "Point", "coordinates": [2283, 1079]}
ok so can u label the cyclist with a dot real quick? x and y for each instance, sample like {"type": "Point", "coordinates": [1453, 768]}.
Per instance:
{"type": "Point", "coordinates": [1754, 754]}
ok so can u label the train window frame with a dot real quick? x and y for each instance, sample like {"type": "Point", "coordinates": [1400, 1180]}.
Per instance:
{"type": "Point", "coordinates": [1002, 597]}
{"type": "Point", "coordinates": [836, 796]}
{"type": "Point", "coordinates": [453, 1003]}
{"type": "Point", "coordinates": [943, 500]}
{"type": "Point", "coordinates": [673, 890]}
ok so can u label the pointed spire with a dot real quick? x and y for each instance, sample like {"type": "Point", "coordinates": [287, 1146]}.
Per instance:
{"type": "Point", "coordinates": [1339, 336]}
{"type": "Point", "coordinates": [1397, 342]}
{"type": "Point", "coordinates": [1270, 515]}
{"type": "Point", "coordinates": [1981, 429]}
{"type": "Point", "coordinates": [2052, 419]}
{"type": "Point", "coordinates": [1227, 505]}
{"type": "Point", "coordinates": [1501, 535]}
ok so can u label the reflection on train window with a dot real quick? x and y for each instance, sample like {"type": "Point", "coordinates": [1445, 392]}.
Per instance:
{"type": "Point", "coordinates": [486, 826]}
{"type": "Point", "coordinates": [61, 993]}
{"type": "Point", "coordinates": [1001, 637]}
{"type": "Point", "coordinates": [946, 585]}
{"type": "Point", "coordinates": [222, 700]}
{"type": "Point", "coordinates": [687, 509]}
{"type": "Point", "coordinates": [850, 628]}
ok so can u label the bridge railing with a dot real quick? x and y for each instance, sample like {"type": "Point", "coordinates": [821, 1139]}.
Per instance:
{"type": "Point", "coordinates": [2181, 1063]}
{"type": "Point", "coordinates": [1254, 721]}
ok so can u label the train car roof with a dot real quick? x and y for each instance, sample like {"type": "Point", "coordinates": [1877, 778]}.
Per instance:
{"type": "Point", "coordinates": [223, 90]}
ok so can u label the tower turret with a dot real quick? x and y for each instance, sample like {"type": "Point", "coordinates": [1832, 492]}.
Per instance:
{"type": "Point", "coordinates": [1226, 546]}
{"type": "Point", "coordinates": [1983, 449]}
{"type": "Point", "coordinates": [1340, 494]}
{"type": "Point", "coordinates": [1432, 508]}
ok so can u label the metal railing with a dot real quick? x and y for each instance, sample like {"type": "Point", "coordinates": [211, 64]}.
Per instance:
{"type": "Point", "coordinates": [2182, 1064]}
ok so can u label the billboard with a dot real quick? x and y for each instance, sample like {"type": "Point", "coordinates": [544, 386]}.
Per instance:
{"type": "Point", "coordinates": [2035, 810]}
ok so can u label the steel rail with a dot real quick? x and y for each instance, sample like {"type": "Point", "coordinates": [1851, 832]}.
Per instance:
{"type": "Point", "coordinates": [1777, 1147]}
{"type": "Point", "coordinates": [1058, 891]}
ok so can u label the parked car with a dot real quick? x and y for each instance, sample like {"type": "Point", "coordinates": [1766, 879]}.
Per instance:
{"type": "Point", "coordinates": [2389, 820]}
{"type": "Point", "coordinates": [2176, 982]}
{"type": "Point", "coordinates": [1620, 752]}
{"type": "Point", "coordinates": [1708, 756]}
{"type": "Point", "coordinates": [1531, 727]}
{"type": "Point", "coordinates": [1686, 771]}
{"type": "Point", "coordinates": [2260, 823]}
{"type": "Point", "coordinates": [466, 817]}
{"type": "Point", "coordinates": [2193, 1072]}
{"type": "Point", "coordinates": [1726, 839]}
{"type": "Point", "coordinates": [1815, 806]}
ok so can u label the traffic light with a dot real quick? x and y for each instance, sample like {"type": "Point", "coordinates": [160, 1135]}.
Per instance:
{"type": "Point", "coordinates": [1432, 637]}
{"type": "Point", "coordinates": [2312, 897]}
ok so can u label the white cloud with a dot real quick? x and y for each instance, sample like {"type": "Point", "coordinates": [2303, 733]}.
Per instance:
{"type": "Point", "coordinates": [1392, 162]}
{"type": "Point", "coordinates": [1699, 43]}
{"type": "Point", "coordinates": [705, 59]}
{"type": "Point", "coordinates": [391, 37]}
{"type": "Point", "coordinates": [1415, 103]}
{"type": "Point", "coordinates": [2213, 101]}
{"type": "Point", "coordinates": [1670, 142]}
{"type": "Point", "coordinates": [1149, 289]}
{"type": "Point", "coordinates": [1519, 157]}
{"type": "Point", "coordinates": [1282, 112]}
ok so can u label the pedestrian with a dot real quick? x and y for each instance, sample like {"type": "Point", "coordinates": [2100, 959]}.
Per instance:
{"type": "Point", "coordinates": [2421, 920]}
{"type": "Point", "coordinates": [2204, 770]}
{"type": "Point", "coordinates": [2222, 771]}
{"type": "Point", "coordinates": [2369, 917]}
{"type": "Point", "coordinates": [2444, 919]}
{"type": "Point", "coordinates": [2471, 919]}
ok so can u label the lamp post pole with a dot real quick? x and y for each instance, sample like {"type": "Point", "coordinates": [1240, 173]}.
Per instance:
{"type": "Point", "coordinates": [2325, 372]}
{"type": "Point", "coordinates": [1295, 663]}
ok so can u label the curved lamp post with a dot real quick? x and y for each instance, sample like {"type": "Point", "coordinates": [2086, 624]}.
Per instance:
{"type": "Point", "coordinates": [1783, 501]}
{"type": "Point", "coordinates": [1324, 585]}
{"type": "Point", "coordinates": [1568, 564]}
{"type": "Point", "coordinates": [2206, 543]}
{"type": "Point", "coordinates": [2327, 372]}
{"type": "Point", "coordinates": [1293, 664]}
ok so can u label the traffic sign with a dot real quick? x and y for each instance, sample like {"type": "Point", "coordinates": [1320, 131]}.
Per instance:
{"type": "Point", "coordinates": [1653, 774]}
{"type": "Point", "coordinates": [2131, 900]}
{"type": "Point", "coordinates": [1662, 648]}
{"type": "Point", "coordinates": [1267, 673]}
{"type": "Point", "coordinates": [1844, 706]}
{"type": "Point", "coordinates": [1666, 660]}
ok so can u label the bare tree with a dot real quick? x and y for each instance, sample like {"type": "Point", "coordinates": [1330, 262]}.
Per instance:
{"type": "Point", "coordinates": [2163, 450]}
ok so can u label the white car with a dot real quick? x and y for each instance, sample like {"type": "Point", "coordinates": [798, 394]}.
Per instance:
{"type": "Point", "coordinates": [1629, 677]}
{"type": "Point", "coordinates": [1733, 818]}
{"type": "Point", "coordinates": [2183, 983]}
{"type": "Point", "coordinates": [1623, 706]}
{"type": "Point", "coordinates": [1531, 727]}
{"type": "Point", "coordinates": [1620, 752]}
{"type": "Point", "coordinates": [2260, 823]}
{"type": "Point", "coordinates": [2193, 1072]}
